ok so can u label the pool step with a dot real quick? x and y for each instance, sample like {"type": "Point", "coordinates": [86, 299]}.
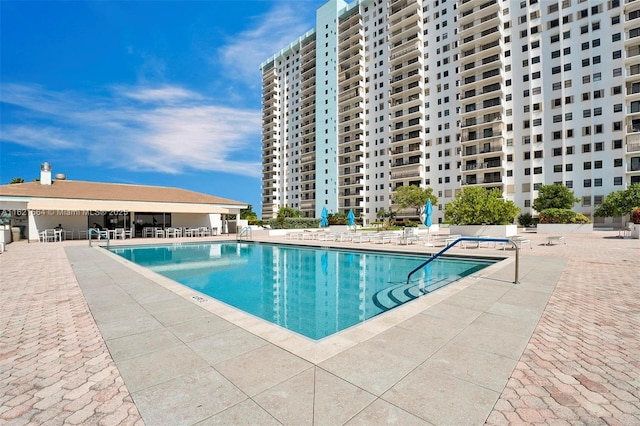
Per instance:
{"type": "Point", "coordinates": [399, 294]}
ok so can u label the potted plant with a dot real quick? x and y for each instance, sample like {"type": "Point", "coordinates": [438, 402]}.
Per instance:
{"type": "Point", "coordinates": [555, 203]}
{"type": "Point", "coordinates": [620, 204]}
{"type": "Point", "coordinates": [635, 226]}
{"type": "Point", "coordinates": [478, 211]}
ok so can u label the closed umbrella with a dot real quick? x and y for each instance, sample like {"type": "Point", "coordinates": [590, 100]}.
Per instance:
{"type": "Point", "coordinates": [428, 210]}
{"type": "Point", "coordinates": [351, 219]}
{"type": "Point", "coordinates": [324, 218]}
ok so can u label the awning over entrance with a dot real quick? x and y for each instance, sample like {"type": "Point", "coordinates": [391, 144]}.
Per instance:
{"type": "Point", "coordinates": [59, 205]}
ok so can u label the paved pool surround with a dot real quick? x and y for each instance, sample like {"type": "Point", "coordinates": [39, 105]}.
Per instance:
{"type": "Point", "coordinates": [88, 338]}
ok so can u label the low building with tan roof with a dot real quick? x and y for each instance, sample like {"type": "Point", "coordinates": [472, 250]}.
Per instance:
{"type": "Point", "coordinates": [77, 206]}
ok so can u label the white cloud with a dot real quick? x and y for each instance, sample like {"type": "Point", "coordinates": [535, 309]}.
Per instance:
{"type": "Point", "coordinates": [282, 25]}
{"type": "Point", "coordinates": [43, 138]}
{"type": "Point", "coordinates": [165, 128]}
{"type": "Point", "coordinates": [158, 94]}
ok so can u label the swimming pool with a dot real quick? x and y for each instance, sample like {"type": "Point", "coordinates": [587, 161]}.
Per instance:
{"type": "Point", "coordinates": [315, 292]}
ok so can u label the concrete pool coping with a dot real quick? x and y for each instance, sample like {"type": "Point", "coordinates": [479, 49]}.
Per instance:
{"type": "Point", "coordinates": [316, 351]}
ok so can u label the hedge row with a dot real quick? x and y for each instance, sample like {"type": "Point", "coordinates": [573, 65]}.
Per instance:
{"type": "Point", "coordinates": [562, 216]}
{"type": "Point", "coordinates": [294, 223]}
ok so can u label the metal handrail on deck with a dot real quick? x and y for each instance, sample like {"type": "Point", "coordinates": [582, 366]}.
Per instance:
{"type": "Point", "coordinates": [245, 230]}
{"type": "Point", "coordinates": [97, 231]}
{"type": "Point", "coordinates": [478, 239]}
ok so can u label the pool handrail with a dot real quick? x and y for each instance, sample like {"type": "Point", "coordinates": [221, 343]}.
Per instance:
{"type": "Point", "coordinates": [97, 231]}
{"type": "Point", "coordinates": [244, 230]}
{"type": "Point", "coordinates": [477, 239]}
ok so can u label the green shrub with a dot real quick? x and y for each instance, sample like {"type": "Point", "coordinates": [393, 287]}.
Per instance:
{"type": "Point", "coordinates": [479, 206]}
{"type": "Point", "coordinates": [525, 219]}
{"type": "Point", "coordinates": [565, 216]}
{"type": "Point", "coordinates": [294, 223]}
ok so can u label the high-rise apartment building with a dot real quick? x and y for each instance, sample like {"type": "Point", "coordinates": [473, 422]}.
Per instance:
{"type": "Point", "coordinates": [445, 94]}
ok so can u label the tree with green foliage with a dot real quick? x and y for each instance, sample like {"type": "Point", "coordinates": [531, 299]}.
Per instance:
{"type": "Point", "coordinates": [248, 213]}
{"type": "Point", "coordinates": [16, 180]}
{"type": "Point", "coordinates": [386, 218]}
{"type": "Point", "coordinates": [526, 219]}
{"type": "Point", "coordinates": [554, 196]}
{"type": "Point", "coordinates": [289, 212]}
{"type": "Point", "coordinates": [413, 196]}
{"type": "Point", "coordinates": [620, 203]}
{"type": "Point", "coordinates": [476, 205]}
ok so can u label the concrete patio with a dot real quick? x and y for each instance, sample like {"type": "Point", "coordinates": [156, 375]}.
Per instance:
{"type": "Point", "coordinates": [87, 338]}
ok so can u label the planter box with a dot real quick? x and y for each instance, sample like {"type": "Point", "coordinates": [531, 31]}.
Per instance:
{"type": "Point", "coordinates": [635, 230]}
{"type": "Point", "coordinates": [565, 228]}
{"type": "Point", "coordinates": [485, 230]}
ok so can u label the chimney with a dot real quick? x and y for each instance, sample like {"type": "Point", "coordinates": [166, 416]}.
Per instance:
{"type": "Point", "coordinates": [45, 174]}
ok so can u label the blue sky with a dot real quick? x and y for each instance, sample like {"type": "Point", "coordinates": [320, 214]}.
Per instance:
{"type": "Point", "coordinates": [144, 92]}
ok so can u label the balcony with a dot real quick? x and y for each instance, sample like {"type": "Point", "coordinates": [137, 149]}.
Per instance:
{"type": "Point", "coordinates": [481, 93]}
{"type": "Point", "coordinates": [473, 166]}
{"type": "Point", "coordinates": [414, 136]}
{"type": "Point", "coordinates": [487, 181]}
{"type": "Point", "coordinates": [403, 51]}
{"type": "Point", "coordinates": [405, 175]}
{"type": "Point", "coordinates": [351, 94]}
{"type": "Point", "coordinates": [471, 14]}
{"type": "Point", "coordinates": [485, 148]}
{"type": "Point", "coordinates": [480, 25]}
{"type": "Point", "coordinates": [477, 121]}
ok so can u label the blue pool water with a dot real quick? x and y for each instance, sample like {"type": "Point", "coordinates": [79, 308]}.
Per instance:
{"type": "Point", "coordinates": [312, 291]}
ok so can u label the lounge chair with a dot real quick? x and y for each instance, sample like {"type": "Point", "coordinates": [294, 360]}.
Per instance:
{"type": "Point", "coordinates": [519, 241]}
{"type": "Point", "coordinates": [384, 237]}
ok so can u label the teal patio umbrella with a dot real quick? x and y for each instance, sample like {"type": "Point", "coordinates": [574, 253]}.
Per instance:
{"type": "Point", "coordinates": [428, 210]}
{"type": "Point", "coordinates": [324, 218]}
{"type": "Point", "coordinates": [351, 219]}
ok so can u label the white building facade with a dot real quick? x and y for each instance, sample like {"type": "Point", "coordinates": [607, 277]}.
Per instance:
{"type": "Point", "coordinates": [446, 94]}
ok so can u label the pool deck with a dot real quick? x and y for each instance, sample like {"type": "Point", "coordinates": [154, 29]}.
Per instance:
{"type": "Point", "coordinates": [87, 338]}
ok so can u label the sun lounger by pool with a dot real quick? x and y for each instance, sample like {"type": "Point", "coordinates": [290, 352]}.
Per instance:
{"type": "Point", "coordinates": [384, 237]}
{"type": "Point", "coordinates": [555, 238]}
{"type": "Point", "coordinates": [519, 241]}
